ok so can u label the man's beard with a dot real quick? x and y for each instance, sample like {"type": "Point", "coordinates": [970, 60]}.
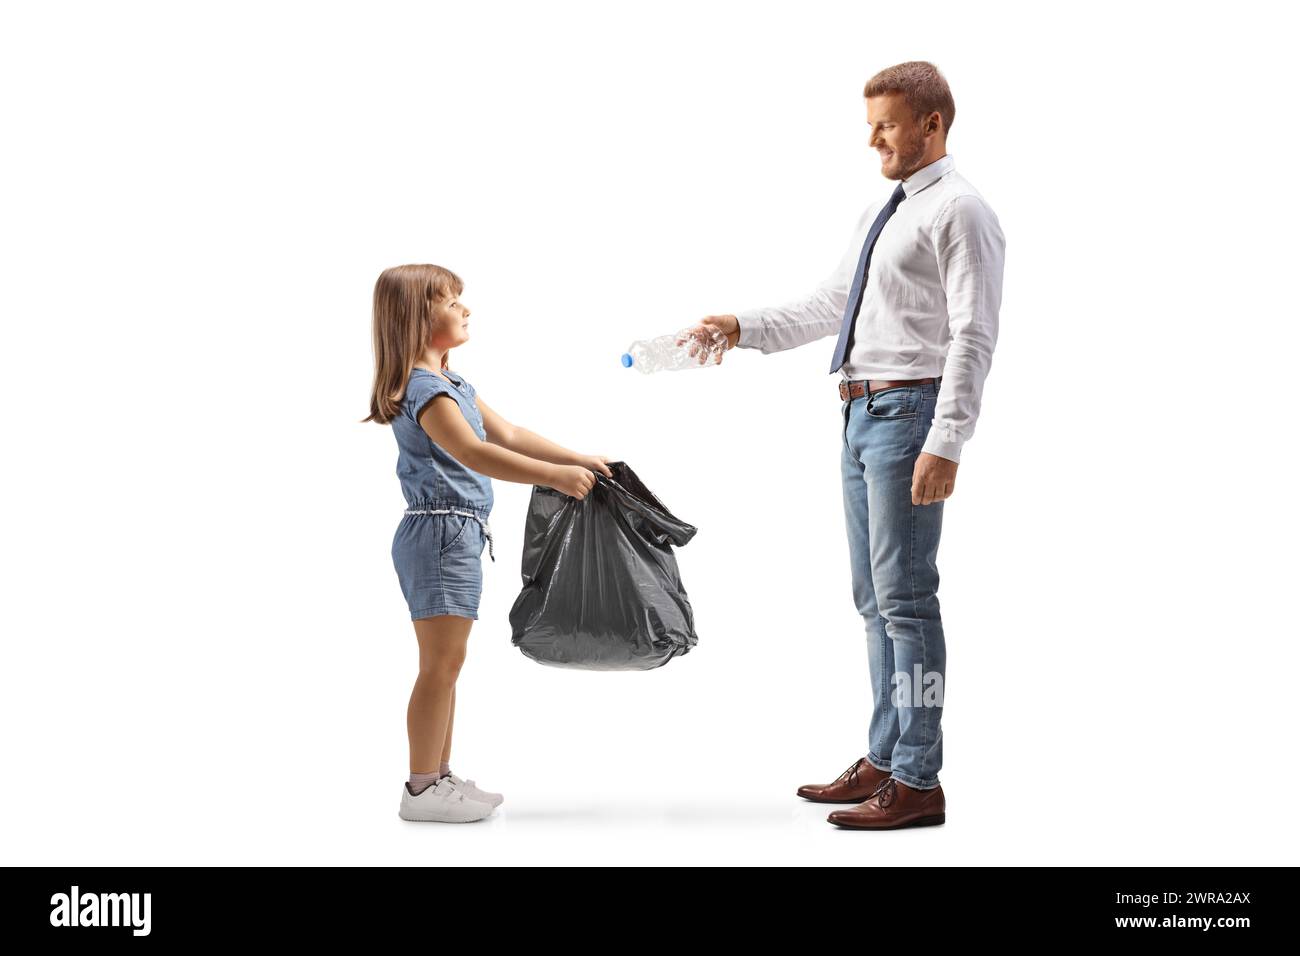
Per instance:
{"type": "Point", "coordinates": [908, 159]}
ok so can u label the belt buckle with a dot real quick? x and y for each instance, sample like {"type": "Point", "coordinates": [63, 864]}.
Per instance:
{"type": "Point", "coordinates": [846, 388]}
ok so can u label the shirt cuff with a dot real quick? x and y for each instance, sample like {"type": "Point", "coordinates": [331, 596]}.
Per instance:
{"type": "Point", "coordinates": [750, 329]}
{"type": "Point", "coordinates": [943, 441]}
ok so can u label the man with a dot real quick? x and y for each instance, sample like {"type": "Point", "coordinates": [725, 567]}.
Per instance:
{"type": "Point", "coordinates": [914, 304]}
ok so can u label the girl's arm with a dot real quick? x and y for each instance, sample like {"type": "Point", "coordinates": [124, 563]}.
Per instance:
{"type": "Point", "coordinates": [443, 422]}
{"type": "Point", "coordinates": [521, 440]}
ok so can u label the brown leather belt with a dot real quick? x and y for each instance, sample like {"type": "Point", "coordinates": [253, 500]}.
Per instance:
{"type": "Point", "coordinates": [858, 388]}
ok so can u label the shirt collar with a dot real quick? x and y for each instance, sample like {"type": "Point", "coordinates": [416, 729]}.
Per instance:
{"type": "Point", "coordinates": [446, 371]}
{"type": "Point", "coordinates": [926, 175]}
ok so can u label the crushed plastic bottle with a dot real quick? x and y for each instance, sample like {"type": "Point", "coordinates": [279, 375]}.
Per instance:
{"type": "Point", "coordinates": [664, 354]}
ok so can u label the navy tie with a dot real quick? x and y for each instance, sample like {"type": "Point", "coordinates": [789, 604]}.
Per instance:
{"type": "Point", "coordinates": [860, 280]}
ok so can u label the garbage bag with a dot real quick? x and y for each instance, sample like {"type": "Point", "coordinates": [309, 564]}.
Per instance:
{"type": "Point", "coordinates": [601, 585]}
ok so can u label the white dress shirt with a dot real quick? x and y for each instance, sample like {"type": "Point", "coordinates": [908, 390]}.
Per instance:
{"type": "Point", "coordinates": [930, 306]}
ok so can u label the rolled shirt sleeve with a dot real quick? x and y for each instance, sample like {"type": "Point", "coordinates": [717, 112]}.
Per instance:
{"type": "Point", "coordinates": [970, 247]}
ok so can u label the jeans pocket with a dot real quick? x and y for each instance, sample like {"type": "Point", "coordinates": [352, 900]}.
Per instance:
{"type": "Point", "coordinates": [453, 529]}
{"type": "Point", "coordinates": [889, 403]}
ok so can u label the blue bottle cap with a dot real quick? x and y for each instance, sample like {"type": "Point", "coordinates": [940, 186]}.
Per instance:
{"type": "Point", "coordinates": [626, 360]}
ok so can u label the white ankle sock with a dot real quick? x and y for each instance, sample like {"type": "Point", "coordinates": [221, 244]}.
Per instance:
{"type": "Point", "coordinates": [421, 781]}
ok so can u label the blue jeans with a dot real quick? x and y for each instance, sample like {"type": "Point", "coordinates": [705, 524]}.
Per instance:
{"type": "Point", "coordinates": [893, 546]}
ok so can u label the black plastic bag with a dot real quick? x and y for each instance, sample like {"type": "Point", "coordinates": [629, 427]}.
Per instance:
{"type": "Point", "coordinates": [601, 587]}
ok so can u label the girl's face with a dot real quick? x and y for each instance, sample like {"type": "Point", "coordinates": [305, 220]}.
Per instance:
{"type": "Point", "coordinates": [450, 323]}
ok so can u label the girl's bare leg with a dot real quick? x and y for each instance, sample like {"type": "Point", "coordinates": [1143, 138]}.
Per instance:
{"type": "Point", "coordinates": [443, 643]}
{"type": "Point", "coordinates": [451, 722]}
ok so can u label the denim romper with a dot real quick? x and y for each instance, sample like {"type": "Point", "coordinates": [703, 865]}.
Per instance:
{"type": "Point", "coordinates": [438, 546]}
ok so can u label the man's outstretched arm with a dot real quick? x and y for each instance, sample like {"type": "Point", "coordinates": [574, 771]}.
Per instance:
{"type": "Point", "coordinates": [797, 322]}
{"type": "Point", "coordinates": [807, 319]}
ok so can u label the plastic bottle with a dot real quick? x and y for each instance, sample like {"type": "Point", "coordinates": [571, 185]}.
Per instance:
{"type": "Point", "coordinates": [663, 354]}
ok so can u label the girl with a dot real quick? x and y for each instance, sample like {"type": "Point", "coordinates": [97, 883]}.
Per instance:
{"type": "Point", "coordinates": [449, 447]}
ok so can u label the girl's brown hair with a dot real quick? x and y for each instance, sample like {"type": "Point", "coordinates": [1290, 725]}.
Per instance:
{"type": "Point", "coordinates": [403, 326]}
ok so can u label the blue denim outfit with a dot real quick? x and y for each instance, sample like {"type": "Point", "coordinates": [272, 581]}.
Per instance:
{"type": "Point", "coordinates": [893, 546]}
{"type": "Point", "coordinates": [438, 545]}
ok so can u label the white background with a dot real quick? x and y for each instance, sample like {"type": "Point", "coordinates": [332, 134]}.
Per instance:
{"type": "Point", "coordinates": [207, 656]}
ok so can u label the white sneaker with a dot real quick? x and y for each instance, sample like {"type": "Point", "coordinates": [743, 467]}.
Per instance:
{"type": "Point", "coordinates": [477, 793]}
{"type": "Point", "coordinates": [444, 802]}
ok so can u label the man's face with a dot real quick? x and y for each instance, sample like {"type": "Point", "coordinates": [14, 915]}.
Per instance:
{"type": "Point", "coordinates": [896, 136]}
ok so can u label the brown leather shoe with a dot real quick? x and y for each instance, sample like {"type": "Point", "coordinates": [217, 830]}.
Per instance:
{"type": "Point", "coordinates": [852, 786]}
{"type": "Point", "coordinates": [892, 806]}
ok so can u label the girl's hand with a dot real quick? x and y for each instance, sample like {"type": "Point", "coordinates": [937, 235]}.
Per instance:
{"type": "Point", "coordinates": [597, 463]}
{"type": "Point", "coordinates": [572, 480]}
